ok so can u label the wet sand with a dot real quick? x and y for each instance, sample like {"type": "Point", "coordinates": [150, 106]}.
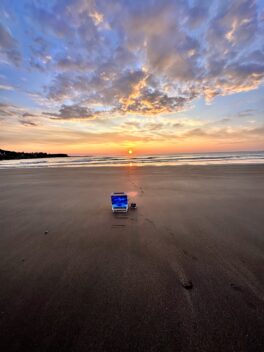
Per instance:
{"type": "Point", "coordinates": [183, 272]}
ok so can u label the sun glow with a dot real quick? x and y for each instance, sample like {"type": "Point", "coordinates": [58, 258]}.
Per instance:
{"type": "Point", "coordinates": [130, 151]}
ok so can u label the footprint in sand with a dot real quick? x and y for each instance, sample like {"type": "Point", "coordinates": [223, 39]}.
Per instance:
{"type": "Point", "coordinates": [118, 225]}
{"type": "Point", "coordinates": [236, 287]}
{"type": "Point", "coordinates": [193, 257]}
{"type": "Point", "coordinates": [150, 222]}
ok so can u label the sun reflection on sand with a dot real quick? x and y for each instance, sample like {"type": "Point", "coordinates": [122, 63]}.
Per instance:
{"type": "Point", "coordinates": [132, 194]}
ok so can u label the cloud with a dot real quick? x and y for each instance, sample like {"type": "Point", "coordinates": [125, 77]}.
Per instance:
{"type": "Point", "coordinates": [246, 113]}
{"type": "Point", "coordinates": [149, 60]}
{"type": "Point", "coordinates": [27, 114]}
{"type": "Point", "coordinates": [226, 133]}
{"type": "Point", "coordinates": [51, 21]}
{"type": "Point", "coordinates": [234, 23]}
{"type": "Point", "coordinates": [40, 58]}
{"type": "Point", "coordinates": [146, 58]}
{"type": "Point", "coordinates": [6, 87]}
{"type": "Point", "coordinates": [74, 64]}
{"type": "Point", "coordinates": [130, 93]}
{"type": "Point", "coordinates": [156, 31]}
{"type": "Point", "coordinates": [157, 129]}
{"type": "Point", "coordinates": [9, 112]}
{"type": "Point", "coordinates": [71, 112]}
{"type": "Point", "coordinates": [151, 102]}
{"type": "Point", "coordinates": [198, 13]}
{"type": "Point", "coordinates": [235, 78]}
{"type": "Point", "coordinates": [8, 47]}
{"type": "Point", "coordinates": [28, 123]}
{"type": "Point", "coordinates": [233, 63]}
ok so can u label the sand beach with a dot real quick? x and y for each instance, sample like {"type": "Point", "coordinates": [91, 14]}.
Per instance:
{"type": "Point", "coordinates": [183, 272]}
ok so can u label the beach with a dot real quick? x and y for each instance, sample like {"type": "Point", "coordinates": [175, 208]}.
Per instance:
{"type": "Point", "coordinates": [182, 272]}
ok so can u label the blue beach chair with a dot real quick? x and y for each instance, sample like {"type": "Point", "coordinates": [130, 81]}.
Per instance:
{"type": "Point", "coordinates": [119, 202]}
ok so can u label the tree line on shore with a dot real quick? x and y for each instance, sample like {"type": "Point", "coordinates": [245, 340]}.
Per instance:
{"type": "Point", "coordinates": [10, 155]}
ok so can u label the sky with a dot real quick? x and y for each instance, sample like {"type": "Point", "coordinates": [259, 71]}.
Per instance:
{"type": "Point", "coordinates": [103, 76]}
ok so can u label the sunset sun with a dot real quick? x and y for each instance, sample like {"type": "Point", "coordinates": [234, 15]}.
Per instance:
{"type": "Point", "coordinates": [130, 151]}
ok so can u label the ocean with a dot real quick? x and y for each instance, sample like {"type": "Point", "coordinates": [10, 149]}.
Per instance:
{"type": "Point", "coordinates": [140, 160]}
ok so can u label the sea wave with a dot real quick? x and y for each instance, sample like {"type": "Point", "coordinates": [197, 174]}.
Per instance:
{"type": "Point", "coordinates": [140, 160]}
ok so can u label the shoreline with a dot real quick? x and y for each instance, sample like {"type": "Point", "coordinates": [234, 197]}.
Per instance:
{"type": "Point", "coordinates": [191, 159]}
{"type": "Point", "coordinates": [134, 166]}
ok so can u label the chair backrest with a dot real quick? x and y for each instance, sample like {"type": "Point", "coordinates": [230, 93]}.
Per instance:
{"type": "Point", "coordinates": [119, 199]}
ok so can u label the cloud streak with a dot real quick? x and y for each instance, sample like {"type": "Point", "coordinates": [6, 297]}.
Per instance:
{"type": "Point", "coordinates": [9, 52]}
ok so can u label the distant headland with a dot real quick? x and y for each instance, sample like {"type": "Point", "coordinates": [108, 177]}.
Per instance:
{"type": "Point", "coordinates": [9, 155]}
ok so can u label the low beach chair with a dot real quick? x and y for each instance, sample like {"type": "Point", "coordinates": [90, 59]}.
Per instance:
{"type": "Point", "coordinates": [119, 202]}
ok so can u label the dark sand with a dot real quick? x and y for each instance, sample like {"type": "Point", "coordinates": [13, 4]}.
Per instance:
{"type": "Point", "coordinates": [99, 282]}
